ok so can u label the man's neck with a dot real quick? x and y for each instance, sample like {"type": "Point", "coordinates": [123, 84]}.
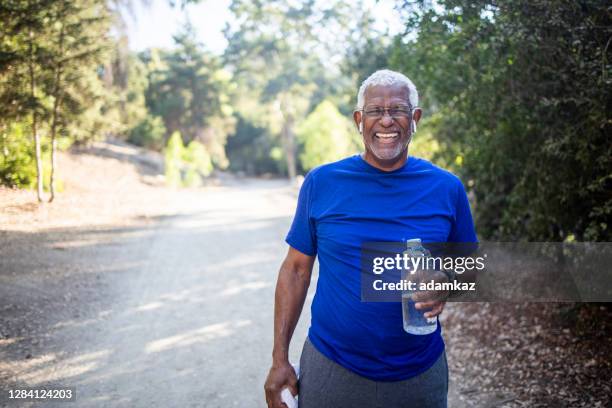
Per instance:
{"type": "Point", "coordinates": [385, 165]}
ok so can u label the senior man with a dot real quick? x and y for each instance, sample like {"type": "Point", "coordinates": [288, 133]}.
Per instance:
{"type": "Point", "coordinates": [357, 354]}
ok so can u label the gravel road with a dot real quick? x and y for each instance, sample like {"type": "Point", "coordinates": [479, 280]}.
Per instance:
{"type": "Point", "coordinates": [138, 295]}
{"type": "Point", "coordinates": [173, 311]}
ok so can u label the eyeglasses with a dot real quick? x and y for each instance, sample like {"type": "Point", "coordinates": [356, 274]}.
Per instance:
{"type": "Point", "coordinates": [396, 112]}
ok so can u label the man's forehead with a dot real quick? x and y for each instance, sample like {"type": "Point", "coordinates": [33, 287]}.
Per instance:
{"type": "Point", "coordinates": [395, 92]}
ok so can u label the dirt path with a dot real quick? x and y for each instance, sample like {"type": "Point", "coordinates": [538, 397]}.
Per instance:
{"type": "Point", "coordinates": [174, 311]}
{"type": "Point", "coordinates": [142, 296]}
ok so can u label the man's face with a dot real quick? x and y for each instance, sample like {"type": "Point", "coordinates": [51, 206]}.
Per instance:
{"type": "Point", "coordinates": [386, 138]}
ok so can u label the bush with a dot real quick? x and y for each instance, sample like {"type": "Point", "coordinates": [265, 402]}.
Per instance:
{"type": "Point", "coordinates": [174, 160]}
{"type": "Point", "coordinates": [186, 166]}
{"type": "Point", "coordinates": [198, 164]}
{"type": "Point", "coordinates": [325, 136]}
{"type": "Point", "coordinates": [17, 162]}
{"type": "Point", "coordinates": [148, 133]}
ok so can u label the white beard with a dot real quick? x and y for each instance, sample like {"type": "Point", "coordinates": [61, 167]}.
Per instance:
{"type": "Point", "coordinates": [387, 153]}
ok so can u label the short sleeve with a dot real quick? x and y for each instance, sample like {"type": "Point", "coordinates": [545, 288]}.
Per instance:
{"type": "Point", "coordinates": [302, 234]}
{"type": "Point", "coordinates": [463, 226]}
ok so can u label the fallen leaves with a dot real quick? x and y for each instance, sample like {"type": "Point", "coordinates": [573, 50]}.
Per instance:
{"type": "Point", "coordinates": [530, 355]}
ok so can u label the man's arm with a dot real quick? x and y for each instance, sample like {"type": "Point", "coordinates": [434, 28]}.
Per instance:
{"type": "Point", "coordinates": [291, 289]}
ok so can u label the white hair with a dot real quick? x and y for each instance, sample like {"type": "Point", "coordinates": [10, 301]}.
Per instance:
{"type": "Point", "coordinates": [386, 77]}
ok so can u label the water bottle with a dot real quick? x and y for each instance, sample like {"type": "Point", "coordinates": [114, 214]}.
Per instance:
{"type": "Point", "coordinates": [414, 320]}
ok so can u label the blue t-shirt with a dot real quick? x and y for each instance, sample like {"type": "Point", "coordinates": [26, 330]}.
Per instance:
{"type": "Point", "coordinates": [340, 206]}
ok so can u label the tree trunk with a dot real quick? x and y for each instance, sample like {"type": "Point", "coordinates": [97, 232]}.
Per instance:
{"type": "Point", "coordinates": [289, 144]}
{"type": "Point", "coordinates": [53, 162]}
{"type": "Point", "coordinates": [4, 132]}
{"type": "Point", "coordinates": [56, 107]}
{"type": "Point", "coordinates": [35, 135]}
{"type": "Point", "coordinates": [287, 135]}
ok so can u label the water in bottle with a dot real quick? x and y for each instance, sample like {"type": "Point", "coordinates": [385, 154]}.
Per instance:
{"type": "Point", "coordinates": [414, 320]}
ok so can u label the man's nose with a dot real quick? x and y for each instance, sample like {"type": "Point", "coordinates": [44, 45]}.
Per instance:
{"type": "Point", "coordinates": [386, 119]}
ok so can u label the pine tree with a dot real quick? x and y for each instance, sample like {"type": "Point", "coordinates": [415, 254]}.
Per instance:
{"type": "Point", "coordinates": [77, 43]}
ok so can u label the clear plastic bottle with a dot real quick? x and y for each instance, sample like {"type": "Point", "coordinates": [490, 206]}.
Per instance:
{"type": "Point", "coordinates": [414, 320]}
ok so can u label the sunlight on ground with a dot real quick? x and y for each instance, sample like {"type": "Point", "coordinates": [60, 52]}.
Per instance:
{"type": "Point", "coordinates": [149, 306]}
{"type": "Point", "coordinates": [24, 365]}
{"type": "Point", "coordinates": [201, 335]}
{"type": "Point", "coordinates": [243, 260]}
{"type": "Point", "coordinates": [91, 239]}
{"type": "Point", "coordinates": [236, 289]}
{"type": "Point", "coordinates": [183, 294]}
{"type": "Point", "coordinates": [6, 342]}
{"type": "Point", "coordinates": [49, 367]}
{"type": "Point", "coordinates": [74, 323]}
{"type": "Point", "coordinates": [228, 223]}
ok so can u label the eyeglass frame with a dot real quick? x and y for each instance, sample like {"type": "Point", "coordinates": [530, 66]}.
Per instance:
{"type": "Point", "coordinates": [388, 112]}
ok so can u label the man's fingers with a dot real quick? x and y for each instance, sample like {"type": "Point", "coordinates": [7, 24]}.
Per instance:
{"type": "Point", "coordinates": [273, 399]}
{"type": "Point", "coordinates": [279, 379]}
{"type": "Point", "coordinates": [435, 311]}
{"type": "Point", "coordinates": [293, 389]}
{"type": "Point", "coordinates": [430, 296]}
{"type": "Point", "coordinates": [426, 305]}
{"type": "Point", "coordinates": [435, 305]}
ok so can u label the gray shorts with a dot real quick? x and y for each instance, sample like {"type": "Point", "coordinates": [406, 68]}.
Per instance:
{"type": "Point", "coordinates": [325, 384]}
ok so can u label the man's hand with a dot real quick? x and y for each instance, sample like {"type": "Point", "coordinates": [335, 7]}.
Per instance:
{"type": "Point", "coordinates": [432, 299]}
{"type": "Point", "coordinates": [280, 376]}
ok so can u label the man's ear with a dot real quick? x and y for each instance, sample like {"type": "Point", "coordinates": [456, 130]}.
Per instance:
{"type": "Point", "coordinates": [357, 119]}
{"type": "Point", "coordinates": [416, 114]}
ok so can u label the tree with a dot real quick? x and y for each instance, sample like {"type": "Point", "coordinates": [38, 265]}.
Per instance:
{"type": "Point", "coordinates": [280, 53]}
{"type": "Point", "coordinates": [21, 62]}
{"type": "Point", "coordinates": [189, 90]}
{"type": "Point", "coordinates": [521, 91]}
{"type": "Point", "coordinates": [367, 51]}
{"type": "Point", "coordinates": [326, 136]}
{"type": "Point", "coordinates": [77, 41]}
{"type": "Point", "coordinates": [149, 133]}
{"type": "Point", "coordinates": [50, 53]}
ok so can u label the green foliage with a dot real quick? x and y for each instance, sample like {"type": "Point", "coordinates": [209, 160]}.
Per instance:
{"type": "Point", "coordinates": [425, 145]}
{"type": "Point", "coordinates": [134, 103]}
{"type": "Point", "coordinates": [174, 153]}
{"type": "Point", "coordinates": [367, 50]}
{"type": "Point", "coordinates": [148, 133]}
{"type": "Point", "coordinates": [17, 167]}
{"type": "Point", "coordinates": [326, 136]}
{"type": "Point", "coordinates": [186, 166]}
{"type": "Point", "coordinates": [17, 161]}
{"type": "Point", "coordinates": [522, 92]}
{"type": "Point", "coordinates": [198, 164]}
{"type": "Point", "coordinates": [189, 90]}
{"type": "Point", "coordinates": [49, 60]}
{"type": "Point", "coordinates": [249, 149]}
{"type": "Point", "coordinates": [287, 75]}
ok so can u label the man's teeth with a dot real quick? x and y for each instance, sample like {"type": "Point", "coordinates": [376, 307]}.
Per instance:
{"type": "Point", "coordinates": [387, 135]}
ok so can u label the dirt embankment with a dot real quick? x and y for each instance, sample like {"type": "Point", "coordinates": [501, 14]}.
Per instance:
{"type": "Point", "coordinates": [103, 184]}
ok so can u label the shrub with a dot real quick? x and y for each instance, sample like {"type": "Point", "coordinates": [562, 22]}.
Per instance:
{"type": "Point", "coordinates": [148, 133]}
{"type": "Point", "coordinates": [17, 162]}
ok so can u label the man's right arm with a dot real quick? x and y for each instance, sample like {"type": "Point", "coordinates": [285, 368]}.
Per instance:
{"type": "Point", "coordinates": [291, 289]}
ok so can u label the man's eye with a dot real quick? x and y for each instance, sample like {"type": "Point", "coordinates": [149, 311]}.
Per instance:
{"type": "Point", "coordinates": [375, 111]}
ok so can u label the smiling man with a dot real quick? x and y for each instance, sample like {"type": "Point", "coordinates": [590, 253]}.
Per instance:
{"type": "Point", "coordinates": [357, 353]}
{"type": "Point", "coordinates": [387, 121]}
